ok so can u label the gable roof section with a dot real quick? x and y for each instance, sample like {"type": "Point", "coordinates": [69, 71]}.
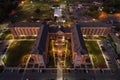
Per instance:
{"type": "Point", "coordinates": [24, 24]}
{"type": "Point", "coordinates": [94, 24]}
{"type": "Point", "coordinates": [82, 42]}
{"type": "Point", "coordinates": [56, 29]}
{"type": "Point", "coordinates": [42, 43]}
{"type": "Point", "coordinates": [79, 44]}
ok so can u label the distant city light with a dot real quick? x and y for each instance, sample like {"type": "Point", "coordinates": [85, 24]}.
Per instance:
{"type": "Point", "coordinates": [103, 15]}
{"type": "Point", "coordinates": [22, 2]}
{"type": "Point", "coordinates": [31, 1]}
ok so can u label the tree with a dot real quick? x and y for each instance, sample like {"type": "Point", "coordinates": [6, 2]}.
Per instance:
{"type": "Point", "coordinates": [6, 6]}
{"type": "Point", "coordinates": [37, 11]}
{"type": "Point", "coordinates": [111, 6]}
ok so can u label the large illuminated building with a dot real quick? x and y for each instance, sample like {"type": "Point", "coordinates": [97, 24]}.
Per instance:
{"type": "Point", "coordinates": [95, 28]}
{"type": "Point", "coordinates": [25, 29]}
{"type": "Point", "coordinates": [61, 35]}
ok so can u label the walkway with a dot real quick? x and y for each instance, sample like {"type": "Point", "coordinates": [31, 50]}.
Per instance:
{"type": "Point", "coordinates": [59, 72]}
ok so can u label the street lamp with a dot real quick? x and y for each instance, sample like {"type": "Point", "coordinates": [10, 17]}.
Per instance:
{"type": "Point", "coordinates": [31, 1]}
{"type": "Point", "coordinates": [63, 39]}
{"type": "Point", "coordinates": [22, 2]}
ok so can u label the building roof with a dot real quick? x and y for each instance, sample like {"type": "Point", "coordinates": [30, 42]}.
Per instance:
{"type": "Point", "coordinates": [25, 24]}
{"type": "Point", "coordinates": [56, 29]}
{"type": "Point", "coordinates": [82, 42]}
{"type": "Point", "coordinates": [40, 43]}
{"type": "Point", "coordinates": [79, 44]}
{"type": "Point", "coordinates": [43, 39]}
{"type": "Point", "coordinates": [57, 12]}
{"type": "Point", "coordinates": [94, 24]}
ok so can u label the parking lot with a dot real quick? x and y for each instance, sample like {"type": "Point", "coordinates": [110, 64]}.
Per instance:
{"type": "Point", "coordinates": [109, 54]}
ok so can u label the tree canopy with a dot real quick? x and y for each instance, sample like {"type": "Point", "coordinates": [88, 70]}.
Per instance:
{"type": "Point", "coordinates": [111, 6]}
{"type": "Point", "coordinates": [6, 6]}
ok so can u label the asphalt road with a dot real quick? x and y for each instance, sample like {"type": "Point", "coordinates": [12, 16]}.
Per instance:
{"type": "Point", "coordinates": [15, 74]}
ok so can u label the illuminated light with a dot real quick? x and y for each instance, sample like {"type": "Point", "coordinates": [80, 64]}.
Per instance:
{"type": "Point", "coordinates": [34, 35]}
{"type": "Point", "coordinates": [117, 15]}
{"type": "Point", "coordinates": [56, 0]}
{"type": "Point", "coordinates": [25, 58]}
{"type": "Point", "coordinates": [3, 59]}
{"type": "Point", "coordinates": [31, 1]}
{"type": "Point", "coordinates": [53, 49]}
{"type": "Point", "coordinates": [94, 19]}
{"type": "Point", "coordinates": [59, 51]}
{"type": "Point", "coordinates": [22, 2]}
{"type": "Point", "coordinates": [63, 39]}
{"type": "Point", "coordinates": [25, 0]}
{"type": "Point", "coordinates": [12, 12]}
{"type": "Point", "coordinates": [103, 15]}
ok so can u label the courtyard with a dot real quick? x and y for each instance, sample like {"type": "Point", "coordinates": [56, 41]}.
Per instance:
{"type": "Point", "coordinates": [95, 54]}
{"type": "Point", "coordinates": [16, 51]}
{"type": "Point", "coordinates": [60, 52]}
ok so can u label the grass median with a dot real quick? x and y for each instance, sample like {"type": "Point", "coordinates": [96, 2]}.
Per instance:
{"type": "Point", "coordinates": [96, 54]}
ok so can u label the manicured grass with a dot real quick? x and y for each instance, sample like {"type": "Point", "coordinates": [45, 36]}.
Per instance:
{"type": "Point", "coordinates": [96, 54]}
{"type": "Point", "coordinates": [27, 11]}
{"type": "Point", "coordinates": [16, 51]}
{"type": "Point", "coordinates": [35, 4]}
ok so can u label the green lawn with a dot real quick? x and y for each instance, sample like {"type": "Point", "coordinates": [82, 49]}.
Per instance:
{"type": "Point", "coordinates": [96, 54]}
{"type": "Point", "coordinates": [16, 51]}
{"type": "Point", "coordinates": [28, 10]}
{"type": "Point", "coordinates": [35, 4]}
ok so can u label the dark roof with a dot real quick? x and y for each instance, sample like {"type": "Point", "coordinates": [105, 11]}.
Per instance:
{"type": "Point", "coordinates": [94, 24]}
{"type": "Point", "coordinates": [82, 42]}
{"type": "Point", "coordinates": [42, 43]}
{"type": "Point", "coordinates": [25, 24]}
{"type": "Point", "coordinates": [79, 44]}
{"type": "Point", "coordinates": [55, 5]}
{"type": "Point", "coordinates": [56, 29]}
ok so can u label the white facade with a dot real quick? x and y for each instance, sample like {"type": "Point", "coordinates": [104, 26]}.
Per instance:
{"type": "Point", "coordinates": [57, 12]}
{"type": "Point", "coordinates": [62, 6]}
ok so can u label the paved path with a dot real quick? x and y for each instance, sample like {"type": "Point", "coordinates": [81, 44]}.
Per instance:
{"type": "Point", "coordinates": [59, 72]}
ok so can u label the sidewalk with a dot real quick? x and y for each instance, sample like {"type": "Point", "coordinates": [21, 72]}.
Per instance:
{"type": "Point", "coordinates": [59, 72]}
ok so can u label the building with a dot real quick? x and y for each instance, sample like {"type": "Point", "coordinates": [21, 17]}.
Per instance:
{"type": "Point", "coordinates": [95, 28]}
{"type": "Point", "coordinates": [57, 12]}
{"type": "Point", "coordinates": [80, 52]}
{"type": "Point", "coordinates": [25, 29]}
{"type": "Point", "coordinates": [40, 51]}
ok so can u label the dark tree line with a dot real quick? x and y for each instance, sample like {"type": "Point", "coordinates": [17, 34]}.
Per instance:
{"type": "Point", "coordinates": [6, 6]}
{"type": "Point", "coordinates": [111, 6]}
